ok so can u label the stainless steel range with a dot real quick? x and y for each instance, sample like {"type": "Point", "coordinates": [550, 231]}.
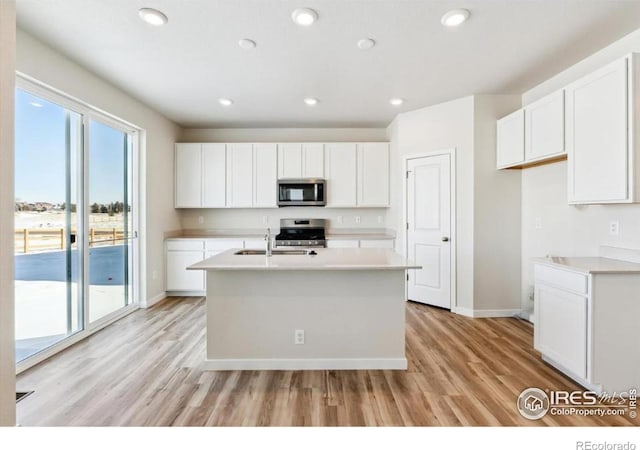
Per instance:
{"type": "Point", "coordinates": [301, 233]}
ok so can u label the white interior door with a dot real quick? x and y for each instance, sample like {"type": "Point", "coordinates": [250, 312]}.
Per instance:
{"type": "Point", "coordinates": [429, 229]}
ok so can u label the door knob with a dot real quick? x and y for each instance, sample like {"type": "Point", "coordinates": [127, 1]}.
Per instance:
{"type": "Point", "coordinates": [445, 239]}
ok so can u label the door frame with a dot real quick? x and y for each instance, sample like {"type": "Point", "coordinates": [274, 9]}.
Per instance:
{"type": "Point", "coordinates": [451, 152]}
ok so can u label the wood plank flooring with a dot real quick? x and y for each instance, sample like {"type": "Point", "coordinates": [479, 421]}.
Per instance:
{"type": "Point", "coordinates": [145, 370]}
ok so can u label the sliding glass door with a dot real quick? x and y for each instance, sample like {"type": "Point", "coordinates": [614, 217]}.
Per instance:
{"type": "Point", "coordinates": [47, 221]}
{"type": "Point", "coordinates": [75, 224]}
{"type": "Point", "coordinates": [110, 225]}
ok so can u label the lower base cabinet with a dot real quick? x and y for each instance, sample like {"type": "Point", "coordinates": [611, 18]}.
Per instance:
{"type": "Point", "coordinates": [585, 326]}
{"type": "Point", "coordinates": [360, 243]}
{"type": "Point", "coordinates": [180, 279]}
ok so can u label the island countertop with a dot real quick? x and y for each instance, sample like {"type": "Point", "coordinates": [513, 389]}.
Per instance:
{"type": "Point", "coordinates": [326, 259]}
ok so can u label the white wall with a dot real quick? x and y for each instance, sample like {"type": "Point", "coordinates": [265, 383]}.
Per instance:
{"type": "Point", "coordinates": [497, 224]}
{"type": "Point", "coordinates": [43, 63]}
{"type": "Point", "coordinates": [570, 230]}
{"type": "Point", "coordinates": [444, 126]}
{"type": "Point", "coordinates": [487, 201]}
{"type": "Point", "coordinates": [7, 80]}
{"type": "Point", "coordinates": [253, 218]}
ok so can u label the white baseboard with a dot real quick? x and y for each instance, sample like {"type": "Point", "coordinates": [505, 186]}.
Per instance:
{"type": "Point", "coordinates": [153, 300]}
{"type": "Point", "coordinates": [306, 364]}
{"type": "Point", "coordinates": [186, 293]}
{"type": "Point", "coordinates": [485, 313]}
{"type": "Point", "coordinates": [463, 311]}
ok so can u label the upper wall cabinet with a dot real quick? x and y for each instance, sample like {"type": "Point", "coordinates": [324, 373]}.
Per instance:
{"type": "Point", "coordinates": [357, 175]}
{"type": "Point", "coordinates": [544, 128]}
{"type": "Point", "coordinates": [602, 134]}
{"type": "Point", "coordinates": [533, 134]}
{"type": "Point", "coordinates": [240, 175]}
{"type": "Point", "coordinates": [251, 175]}
{"type": "Point", "coordinates": [265, 175]}
{"type": "Point", "coordinates": [188, 176]}
{"type": "Point", "coordinates": [373, 174]}
{"type": "Point", "coordinates": [212, 175]}
{"type": "Point", "coordinates": [200, 176]}
{"type": "Point", "coordinates": [510, 137]}
{"type": "Point", "coordinates": [340, 170]}
{"type": "Point", "coordinates": [301, 160]}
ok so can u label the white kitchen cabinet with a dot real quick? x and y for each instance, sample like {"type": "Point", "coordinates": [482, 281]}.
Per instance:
{"type": "Point", "coordinates": [214, 175]}
{"type": "Point", "coordinates": [377, 243]}
{"type": "Point", "coordinates": [561, 327]}
{"type": "Point", "coordinates": [289, 160]}
{"type": "Point", "coordinates": [510, 140]}
{"type": "Point", "coordinates": [601, 134]}
{"type": "Point", "coordinates": [341, 174]}
{"type": "Point", "coordinates": [301, 160]}
{"type": "Point", "coordinates": [181, 253]}
{"type": "Point", "coordinates": [373, 175]}
{"type": "Point", "coordinates": [188, 176]}
{"type": "Point", "coordinates": [343, 243]}
{"type": "Point", "coordinates": [585, 321]}
{"type": "Point", "coordinates": [544, 128]}
{"type": "Point", "coordinates": [313, 160]}
{"type": "Point", "coordinates": [265, 173]}
{"type": "Point", "coordinates": [240, 183]}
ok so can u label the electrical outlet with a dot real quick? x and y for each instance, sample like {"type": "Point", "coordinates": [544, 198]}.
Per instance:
{"type": "Point", "coordinates": [357, 219]}
{"type": "Point", "coordinates": [340, 219]}
{"type": "Point", "coordinates": [298, 338]}
{"type": "Point", "coordinates": [614, 228]}
{"type": "Point", "coordinates": [200, 220]}
{"type": "Point", "coordinates": [538, 223]}
{"type": "Point", "coordinates": [265, 220]}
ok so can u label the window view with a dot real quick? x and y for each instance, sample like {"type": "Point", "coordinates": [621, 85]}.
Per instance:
{"type": "Point", "coordinates": [73, 263]}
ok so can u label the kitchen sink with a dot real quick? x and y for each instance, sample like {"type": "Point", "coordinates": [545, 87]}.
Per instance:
{"type": "Point", "coordinates": [274, 252]}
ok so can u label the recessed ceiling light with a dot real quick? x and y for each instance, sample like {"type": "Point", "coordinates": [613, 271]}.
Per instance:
{"type": "Point", "coordinates": [396, 101]}
{"type": "Point", "coordinates": [304, 16]}
{"type": "Point", "coordinates": [366, 44]}
{"type": "Point", "coordinates": [225, 101]}
{"type": "Point", "coordinates": [247, 44]}
{"type": "Point", "coordinates": [152, 16]}
{"type": "Point", "coordinates": [455, 17]}
{"type": "Point", "coordinates": [311, 101]}
{"type": "Point", "coordinates": [36, 104]}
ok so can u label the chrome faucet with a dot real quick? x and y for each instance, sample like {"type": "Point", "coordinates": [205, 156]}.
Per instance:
{"type": "Point", "coordinates": [267, 238]}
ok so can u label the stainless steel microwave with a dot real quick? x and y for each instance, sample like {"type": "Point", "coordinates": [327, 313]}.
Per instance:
{"type": "Point", "coordinates": [301, 192]}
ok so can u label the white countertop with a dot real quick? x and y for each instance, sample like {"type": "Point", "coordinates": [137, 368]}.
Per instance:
{"type": "Point", "coordinates": [594, 265]}
{"type": "Point", "coordinates": [336, 234]}
{"type": "Point", "coordinates": [326, 259]}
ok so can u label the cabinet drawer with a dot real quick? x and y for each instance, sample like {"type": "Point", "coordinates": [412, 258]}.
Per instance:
{"type": "Point", "coordinates": [185, 244]}
{"type": "Point", "coordinates": [219, 245]}
{"type": "Point", "coordinates": [564, 279]}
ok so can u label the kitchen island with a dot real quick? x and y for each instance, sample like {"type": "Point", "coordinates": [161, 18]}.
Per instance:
{"type": "Point", "coordinates": [337, 309]}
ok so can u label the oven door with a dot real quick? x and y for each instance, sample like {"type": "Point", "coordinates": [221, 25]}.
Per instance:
{"type": "Point", "coordinates": [301, 193]}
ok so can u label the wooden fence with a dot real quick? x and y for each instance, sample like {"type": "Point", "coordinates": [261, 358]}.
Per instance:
{"type": "Point", "coordinates": [41, 239]}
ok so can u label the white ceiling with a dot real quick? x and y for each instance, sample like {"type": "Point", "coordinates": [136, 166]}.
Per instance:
{"type": "Point", "coordinates": [181, 69]}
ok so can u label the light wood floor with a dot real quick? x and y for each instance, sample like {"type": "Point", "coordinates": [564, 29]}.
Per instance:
{"type": "Point", "coordinates": [145, 370]}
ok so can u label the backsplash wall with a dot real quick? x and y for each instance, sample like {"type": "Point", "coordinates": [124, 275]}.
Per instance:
{"type": "Point", "coordinates": [254, 218]}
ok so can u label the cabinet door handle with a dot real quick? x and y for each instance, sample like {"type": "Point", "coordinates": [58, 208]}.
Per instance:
{"type": "Point", "coordinates": [445, 239]}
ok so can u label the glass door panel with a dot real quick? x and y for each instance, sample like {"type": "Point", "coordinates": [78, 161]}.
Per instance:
{"type": "Point", "coordinates": [110, 263]}
{"type": "Point", "coordinates": [48, 286]}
